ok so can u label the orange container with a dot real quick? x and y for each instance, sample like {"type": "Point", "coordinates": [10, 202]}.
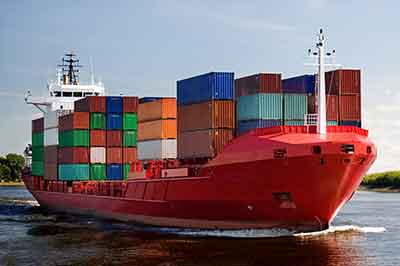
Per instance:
{"type": "Point", "coordinates": [159, 109]}
{"type": "Point", "coordinates": [206, 115]}
{"type": "Point", "coordinates": [77, 120]}
{"type": "Point", "coordinates": [203, 143]}
{"type": "Point", "coordinates": [158, 129]}
{"type": "Point", "coordinates": [114, 155]}
{"type": "Point", "coordinates": [350, 107]}
{"type": "Point", "coordinates": [129, 154]}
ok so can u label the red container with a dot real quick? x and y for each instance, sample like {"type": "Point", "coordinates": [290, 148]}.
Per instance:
{"type": "Point", "coordinates": [51, 154]}
{"type": "Point", "coordinates": [114, 155]}
{"type": "Point", "coordinates": [343, 81]}
{"type": "Point", "coordinates": [349, 107]}
{"type": "Point", "coordinates": [332, 106]}
{"type": "Point", "coordinates": [129, 155]}
{"type": "Point", "coordinates": [50, 171]}
{"type": "Point", "coordinates": [73, 155]}
{"type": "Point", "coordinates": [77, 120]}
{"type": "Point", "coordinates": [130, 104]}
{"type": "Point", "coordinates": [93, 104]}
{"type": "Point", "coordinates": [38, 125]}
{"type": "Point", "coordinates": [114, 138]}
{"type": "Point", "coordinates": [97, 138]}
{"type": "Point", "coordinates": [258, 83]}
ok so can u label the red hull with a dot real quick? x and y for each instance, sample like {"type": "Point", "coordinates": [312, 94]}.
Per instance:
{"type": "Point", "coordinates": [244, 187]}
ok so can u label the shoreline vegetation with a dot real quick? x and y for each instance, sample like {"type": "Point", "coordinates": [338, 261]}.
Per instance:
{"type": "Point", "coordinates": [12, 184]}
{"type": "Point", "coordinates": [382, 182]}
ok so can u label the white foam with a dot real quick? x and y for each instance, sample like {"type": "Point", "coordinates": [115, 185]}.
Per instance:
{"type": "Point", "coordinates": [343, 229]}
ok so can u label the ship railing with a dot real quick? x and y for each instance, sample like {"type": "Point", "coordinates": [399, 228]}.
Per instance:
{"type": "Point", "coordinates": [310, 120]}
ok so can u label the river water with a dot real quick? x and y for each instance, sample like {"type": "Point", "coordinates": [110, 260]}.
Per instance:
{"type": "Point", "coordinates": [366, 232]}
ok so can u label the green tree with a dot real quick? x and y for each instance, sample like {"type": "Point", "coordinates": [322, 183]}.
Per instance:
{"type": "Point", "coordinates": [5, 173]}
{"type": "Point", "coordinates": [11, 167]}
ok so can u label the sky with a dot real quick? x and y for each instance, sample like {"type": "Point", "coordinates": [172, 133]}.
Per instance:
{"type": "Point", "coordinates": [142, 48]}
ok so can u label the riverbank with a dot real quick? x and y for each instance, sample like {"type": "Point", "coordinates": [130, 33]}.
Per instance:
{"type": "Point", "coordinates": [382, 182]}
{"type": "Point", "coordinates": [12, 184]}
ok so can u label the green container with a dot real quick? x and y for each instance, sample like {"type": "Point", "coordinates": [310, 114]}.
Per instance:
{"type": "Point", "coordinates": [38, 168]}
{"type": "Point", "coordinates": [37, 153]}
{"type": "Point", "coordinates": [129, 138]}
{"type": "Point", "coordinates": [97, 121]}
{"type": "Point", "coordinates": [129, 121]}
{"type": "Point", "coordinates": [294, 122]}
{"type": "Point", "coordinates": [259, 106]}
{"type": "Point", "coordinates": [127, 167]}
{"type": "Point", "coordinates": [331, 123]}
{"type": "Point", "coordinates": [74, 138]}
{"type": "Point", "coordinates": [68, 172]}
{"type": "Point", "coordinates": [98, 171]}
{"type": "Point", "coordinates": [295, 106]}
{"type": "Point", "coordinates": [37, 139]}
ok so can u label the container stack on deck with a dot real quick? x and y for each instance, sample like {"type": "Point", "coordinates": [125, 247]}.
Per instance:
{"type": "Point", "coordinates": [258, 101]}
{"type": "Point", "coordinates": [206, 114]}
{"type": "Point", "coordinates": [38, 147]}
{"type": "Point", "coordinates": [51, 144]}
{"type": "Point", "coordinates": [157, 129]}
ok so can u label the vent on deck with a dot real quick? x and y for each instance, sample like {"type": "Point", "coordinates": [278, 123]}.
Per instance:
{"type": "Point", "coordinates": [280, 153]}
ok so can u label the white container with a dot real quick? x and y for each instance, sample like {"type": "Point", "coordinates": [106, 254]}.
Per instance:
{"type": "Point", "coordinates": [51, 119]}
{"type": "Point", "coordinates": [97, 155]}
{"type": "Point", "coordinates": [157, 149]}
{"type": "Point", "coordinates": [50, 136]}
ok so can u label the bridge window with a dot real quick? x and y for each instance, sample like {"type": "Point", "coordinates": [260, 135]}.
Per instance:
{"type": "Point", "coordinates": [57, 93]}
{"type": "Point", "coordinates": [67, 94]}
{"type": "Point", "coordinates": [87, 94]}
{"type": "Point", "coordinates": [78, 94]}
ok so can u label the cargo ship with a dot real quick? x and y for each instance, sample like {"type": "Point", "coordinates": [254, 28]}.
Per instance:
{"type": "Point", "coordinates": [197, 171]}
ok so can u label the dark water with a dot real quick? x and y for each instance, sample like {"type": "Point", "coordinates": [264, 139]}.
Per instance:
{"type": "Point", "coordinates": [366, 232]}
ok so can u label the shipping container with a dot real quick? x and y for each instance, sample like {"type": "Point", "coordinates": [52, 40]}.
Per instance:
{"type": "Point", "coordinates": [343, 81]}
{"type": "Point", "coordinates": [114, 121]}
{"type": "Point", "coordinates": [350, 123]}
{"type": "Point", "coordinates": [247, 125]}
{"type": "Point", "coordinates": [350, 107]}
{"type": "Point", "coordinates": [304, 84]}
{"type": "Point", "coordinates": [97, 121]}
{"type": "Point", "coordinates": [51, 119]}
{"type": "Point", "coordinates": [295, 106]}
{"type": "Point", "coordinates": [130, 121]}
{"type": "Point", "coordinates": [73, 155]}
{"type": "Point", "coordinates": [206, 87]}
{"type": "Point", "coordinates": [164, 108]}
{"type": "Point", "coordinates": [76, 120]}
{"type": "Point", "coordinates": [259, 106]}
{"type": "Point", "coordinates": [70, 172]}
{"type": "Point", "coordinates": [37, 168]}
{"type": "Point", "coordinates": [158, 129]}
{"type": "Point", "coordinates": [332, 106]}
{"type": "Point", "coordinates": [114, 155]}
{"type": "Point", "coordinates": [38, 125]}
{"type": "Point", "coordinates": [50, 171]}
{"type": "Point", "coordinates": [130, 104]}
{"type": "Point", "coordinates": [51, 154]}
{"type": "Point", "coordinates": [206, 115]}
{"type": "Point", "coordinates": [258, 83]}
{"type": "Point", "coordinates": [203, 143]}
{"type": "Point", "coordinates": [98, 172]}
{"type": "Point", "coordinates": [37, 139]}
{"type": "Point", "coordinates": [127, 169]}
{"type": "Point", "coordinates": [97, 155]}
{"type": "Point", "coordinates": [129, 138]}
{"type": "Point", "coordinates": [129, 154]}
{"type": "Point", "coordinates": [114, 104]}
{"type": "Point", "coordinates": [299, 122]}
{"type": "Point", "coordinates": [332, 123]}
{"type": "Point", "coordinates": [74, 138]}
{"type": "Point", "coordinates": [157, 149]}
{"type": "Point", "coordinates": [93, 104]}
{"type": "Point", "coordinates": [114, 172]}
{"type": "Point", "coordinates": [51, 136]}
{"type": "Point", "coordinates": [97, 138]}
{"type": "Point", "coordinates": [37, 153]}
{"type": "Point", "coordinates": [149, 99]}
{"type": "Point", "coordinates": [114, 138]}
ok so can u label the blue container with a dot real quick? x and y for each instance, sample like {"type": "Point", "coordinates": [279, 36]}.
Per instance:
{"type": "Point", "coordinates": [301, 84]}
{"type": "Point", "coordinates": [114, 172]}
{"type": "Point", "coordinates": [206, 87]}
{"type": "Point", "coordinates": [114, 121]}
{"type": "Point", "coordinates": [350, 123]}
{"type": "Point", "coordinates": [247, 125]}
{"type": "Point", "coordinates": [114, 104]}
{"type": "Point", "coordinates": [149, 99]}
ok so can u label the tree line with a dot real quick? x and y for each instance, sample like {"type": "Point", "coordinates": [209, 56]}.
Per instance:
{"type": "Point", "coordinates": [10, 167]}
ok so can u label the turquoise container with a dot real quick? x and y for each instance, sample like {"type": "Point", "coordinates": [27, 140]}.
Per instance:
{"type": "Point", "coordinates": [295, 106]}
{"type": "Point", "coordinates": [294, 122]}
{"type": "Point", "coordinates": [332, 123]}
{"type": "Point", "coordinates": [69, 172]}
{"type": "Point", "coordinates": [259, 106]}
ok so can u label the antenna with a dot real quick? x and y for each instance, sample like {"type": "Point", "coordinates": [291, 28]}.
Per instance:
{"type": "Point", "coordinates": [70, 68]}
{"type": "Point", "coordinates": [91, 71]}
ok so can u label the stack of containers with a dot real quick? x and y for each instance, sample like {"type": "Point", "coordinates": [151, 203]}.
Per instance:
{"type": "Point", "coordinates": [38, 147]}
{"type": "Point", "coordinates": [129, 133]}
{"type": "Point", "coordinates": [157, 129]}
{"type": "Point", "coordinates": [96, 107]}
{"type": "Point", "coordinates": [206, 114]}
{"type": "Point", "coordinates": [258, 101]}
{"type": "Point", "coordinates": [295, 96]}
{"type": "Point", "coordinates": [73, 153]}
{"type": "Point", "coordinates": [51, 144]}
{"type": "Point", "coordinates": [345, 84]}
